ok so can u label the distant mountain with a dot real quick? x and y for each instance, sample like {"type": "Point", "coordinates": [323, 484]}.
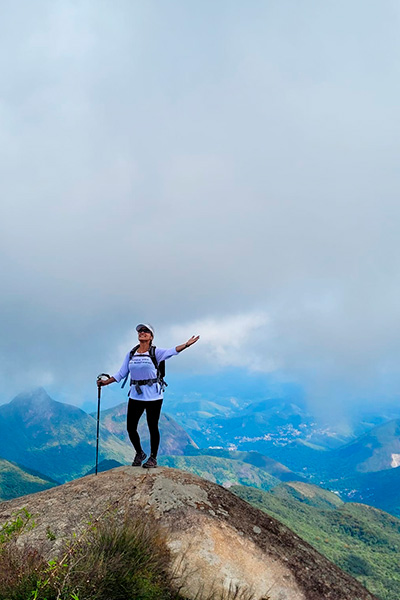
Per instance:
{"type": "Point", "coordinates": [257, 426]}
{"type": "Point", "coordinates": [194, 413]}
{"type": "Point", "coordinates": [354, 469]}
{"type": "Point", "coordinates": [16, 481]}
{"type": "Point", "coordinates": [361, 540]}
{"type": "Point", "coordinates": [267, 464]}
{"type": "Point", "coordinates": [174, 439]}
{"type": "Point", "coordinates": [304, 458]}
{"type": "Point", "coordinates": [54, 438]}
{"type": "Point", "coordinates": [224, 471]}
{"type": "Point", "coordinates": [308, 494]}
{"type": "Point", "coordinates": [341, 468]}
{"type": "Point", "coordinates": [380, 489]}
{"type": "Point", "coordinates": [376, 450]}
{"type": "Point", "coordinates": [268, 420]}
{"type": "Point", "coordinates": [202, 407]}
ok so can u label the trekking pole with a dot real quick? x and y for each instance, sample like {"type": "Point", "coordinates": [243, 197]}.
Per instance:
{"type": "Point", "coordinates": [101, 377]}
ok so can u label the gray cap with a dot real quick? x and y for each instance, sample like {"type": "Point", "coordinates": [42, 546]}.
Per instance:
{"type": "Point", "coordinates": [149, 327]}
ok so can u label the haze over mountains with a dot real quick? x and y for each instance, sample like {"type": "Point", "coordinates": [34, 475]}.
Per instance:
{"type": "Point", "coordinates": [267, 423]}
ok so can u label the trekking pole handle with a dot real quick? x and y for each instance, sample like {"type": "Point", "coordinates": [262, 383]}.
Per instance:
{"type": "Point", "coordinates": [102, 377]}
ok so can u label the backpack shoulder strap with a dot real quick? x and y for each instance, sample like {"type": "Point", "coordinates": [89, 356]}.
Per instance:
{"type": "Point", "coordinates": [152, 354]}
{"type": "Point", "coordinates": [159, 366]}
{"type": "Point", "coordinates": [132, 352]}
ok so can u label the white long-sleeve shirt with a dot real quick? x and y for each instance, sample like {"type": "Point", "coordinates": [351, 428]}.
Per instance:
{"type": "Point", "coordinates": [140, 367]}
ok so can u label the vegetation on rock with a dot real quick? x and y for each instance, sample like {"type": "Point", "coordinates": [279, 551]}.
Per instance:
{"type": "Point", "coordinates": [113, 559]}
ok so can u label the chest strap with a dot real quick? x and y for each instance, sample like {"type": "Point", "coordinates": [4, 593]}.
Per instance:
{"type": "Point", "coordinates": [138, 382]}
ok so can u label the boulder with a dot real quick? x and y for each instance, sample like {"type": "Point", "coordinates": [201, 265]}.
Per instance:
{"type": "Point", "coordinates": [217, 541]}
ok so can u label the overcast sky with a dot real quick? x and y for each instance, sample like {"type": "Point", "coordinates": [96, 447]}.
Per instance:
{"type": "Point", "coordinates": [220, 167]}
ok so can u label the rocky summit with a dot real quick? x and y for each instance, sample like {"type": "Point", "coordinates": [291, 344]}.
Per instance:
{"type": "Point", "coordinates": [218, 541]}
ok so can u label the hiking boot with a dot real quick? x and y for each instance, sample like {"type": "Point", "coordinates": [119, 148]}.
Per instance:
{"type": "Point", "coordinates": [150, 463]}
{"type": "Point", "coordinates": [139, 458]}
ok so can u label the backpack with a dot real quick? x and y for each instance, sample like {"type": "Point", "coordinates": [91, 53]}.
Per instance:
{"type": "Point", "coordinates": [160, 367]}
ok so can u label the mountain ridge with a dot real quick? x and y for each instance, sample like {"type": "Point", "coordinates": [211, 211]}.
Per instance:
{"type": "Point", "coordinates": [16, 480]}
{"type": "Point", "coordinates": [52, 437]}
{"type": "Point", "coordinates": [361, 539]}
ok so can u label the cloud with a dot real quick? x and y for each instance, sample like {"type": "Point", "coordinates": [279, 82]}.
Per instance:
{"type": "Point", "coordinates": [248, 186]}
{"type": "Point", "coordinates": [229, 341]}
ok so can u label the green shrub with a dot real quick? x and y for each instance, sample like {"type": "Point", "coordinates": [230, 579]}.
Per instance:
{"type": "Point", "coordinates": [22, 520]}
{"type": "Point", "coordinates": [357, 565]}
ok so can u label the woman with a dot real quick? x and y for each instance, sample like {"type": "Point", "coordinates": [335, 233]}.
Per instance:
{"type": "Point", "coordinates": [146, 391]}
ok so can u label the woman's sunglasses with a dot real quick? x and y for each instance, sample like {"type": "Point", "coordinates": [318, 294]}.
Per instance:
{"type": "Point", "coordinates": [144, 330]}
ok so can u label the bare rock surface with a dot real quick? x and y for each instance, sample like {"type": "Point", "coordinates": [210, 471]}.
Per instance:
{"type": "Point", "coordinates": [217, 540]}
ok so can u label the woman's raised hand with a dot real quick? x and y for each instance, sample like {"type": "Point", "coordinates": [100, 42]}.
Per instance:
{"type": "Point", "coordinates": [192, 340]}
{"type": "Point", "coordinates": [104, 379]}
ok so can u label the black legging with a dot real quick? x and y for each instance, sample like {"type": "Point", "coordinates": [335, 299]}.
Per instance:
{"type": "Point", "coordinates": [135, 410]}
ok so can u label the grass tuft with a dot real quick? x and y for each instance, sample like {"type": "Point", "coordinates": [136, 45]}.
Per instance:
{"type": "Point", "coordinates": [115, 558]}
